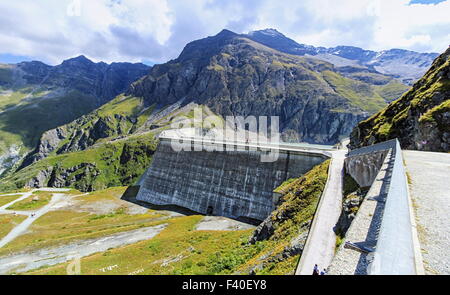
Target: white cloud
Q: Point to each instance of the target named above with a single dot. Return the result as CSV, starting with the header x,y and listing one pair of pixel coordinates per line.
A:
x,y
135,30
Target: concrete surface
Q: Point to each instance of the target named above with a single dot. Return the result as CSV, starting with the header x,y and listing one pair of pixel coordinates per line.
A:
x,y
429,177
221,223
320,245
234,183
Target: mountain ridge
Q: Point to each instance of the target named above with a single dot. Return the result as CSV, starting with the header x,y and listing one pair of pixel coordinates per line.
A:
x,y
234,75
384,61
35,97
420,119
229,74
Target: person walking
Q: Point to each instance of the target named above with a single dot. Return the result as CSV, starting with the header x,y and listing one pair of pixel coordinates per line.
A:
x,y
316,270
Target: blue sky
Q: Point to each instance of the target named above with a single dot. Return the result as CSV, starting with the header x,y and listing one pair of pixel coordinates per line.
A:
x,y
157,30
11,58
425,1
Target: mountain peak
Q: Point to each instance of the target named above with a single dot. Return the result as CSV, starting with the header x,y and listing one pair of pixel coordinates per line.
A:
x,y
81,59
226,33
207,46
269,32
276,40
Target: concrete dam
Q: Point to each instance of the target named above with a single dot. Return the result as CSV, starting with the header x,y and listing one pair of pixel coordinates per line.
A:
x,y
233,183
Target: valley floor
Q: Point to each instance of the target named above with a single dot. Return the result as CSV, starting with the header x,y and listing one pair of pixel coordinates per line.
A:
x,y
428,177
42,231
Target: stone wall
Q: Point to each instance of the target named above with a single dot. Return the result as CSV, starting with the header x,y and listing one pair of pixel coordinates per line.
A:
x,y
227,183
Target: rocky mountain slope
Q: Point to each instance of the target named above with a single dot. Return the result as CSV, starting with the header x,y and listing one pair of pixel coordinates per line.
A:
x,y
406,65
35,97
227,74
234,75
112,145
420,119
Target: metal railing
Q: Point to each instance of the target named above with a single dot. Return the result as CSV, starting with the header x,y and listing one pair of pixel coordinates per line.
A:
x,y
385,145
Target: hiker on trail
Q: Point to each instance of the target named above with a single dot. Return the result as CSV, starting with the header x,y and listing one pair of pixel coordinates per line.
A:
x,y
323,272
316,270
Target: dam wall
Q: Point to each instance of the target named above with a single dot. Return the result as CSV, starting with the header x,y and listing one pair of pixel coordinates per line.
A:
x,y
231,183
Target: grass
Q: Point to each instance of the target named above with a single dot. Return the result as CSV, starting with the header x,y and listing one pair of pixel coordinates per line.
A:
x,y
350,191
24,125
434,115
6,74
216,68
350,185
408,178
8,222
392,90
81,222
12,98
7,199
123,105
110,164
33,202
290,219
358,93
179,248
402,115
339,241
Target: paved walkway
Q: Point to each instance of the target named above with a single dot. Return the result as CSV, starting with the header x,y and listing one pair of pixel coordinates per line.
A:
x,y
430,192
319,248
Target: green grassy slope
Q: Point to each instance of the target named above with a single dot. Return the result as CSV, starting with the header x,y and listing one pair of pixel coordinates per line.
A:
x,y
284,232
109,164
25,123
419,119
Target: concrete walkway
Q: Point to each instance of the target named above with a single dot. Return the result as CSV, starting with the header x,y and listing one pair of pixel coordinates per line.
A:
x,y
429,186
320,245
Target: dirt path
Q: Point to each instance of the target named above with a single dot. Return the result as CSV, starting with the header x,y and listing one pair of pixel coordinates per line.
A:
x,y
321,242
24,196
430,192
32,215
221,223
50,256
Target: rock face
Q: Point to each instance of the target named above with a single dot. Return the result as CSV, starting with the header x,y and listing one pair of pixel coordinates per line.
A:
x,y
350,207
420,119
406,65
103,81
71,138
235,184
234,75
364,168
